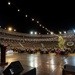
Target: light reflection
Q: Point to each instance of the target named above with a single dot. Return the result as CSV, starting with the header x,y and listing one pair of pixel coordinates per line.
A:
x,y
31,58
53,67
52,61
31,64
74,61
47,62
36,63
11,60
9,52
69,60
48,66
65,60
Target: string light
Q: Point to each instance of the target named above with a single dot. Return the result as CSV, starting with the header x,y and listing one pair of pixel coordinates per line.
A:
x,y
39,33
43,27
14,30
32,18
40,24
51,32
18,10
5,28
26,15
37,21
9,3
47,33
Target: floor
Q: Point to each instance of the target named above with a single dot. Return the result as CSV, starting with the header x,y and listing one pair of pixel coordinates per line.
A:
x,y
45,64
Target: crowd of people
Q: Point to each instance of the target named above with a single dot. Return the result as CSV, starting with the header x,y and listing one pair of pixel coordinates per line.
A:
x,y
45,51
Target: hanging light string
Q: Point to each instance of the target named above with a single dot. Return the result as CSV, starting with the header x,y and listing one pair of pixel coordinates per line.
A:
x,y
26,15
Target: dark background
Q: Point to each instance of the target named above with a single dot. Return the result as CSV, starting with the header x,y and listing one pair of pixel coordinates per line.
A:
x,y
56,16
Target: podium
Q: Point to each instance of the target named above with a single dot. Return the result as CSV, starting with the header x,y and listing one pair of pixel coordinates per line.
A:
x,y
2,55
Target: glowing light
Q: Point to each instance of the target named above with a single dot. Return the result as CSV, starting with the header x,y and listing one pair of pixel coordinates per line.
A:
x,y
46,28
74,31
18,10
60,33
9,52
31,32
47,33
26,15
0,26
5,28
37,21
15,30
39,33
53,67
9,3
10,29
52,33
43,27
35,32
64,32
40,25
32,19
